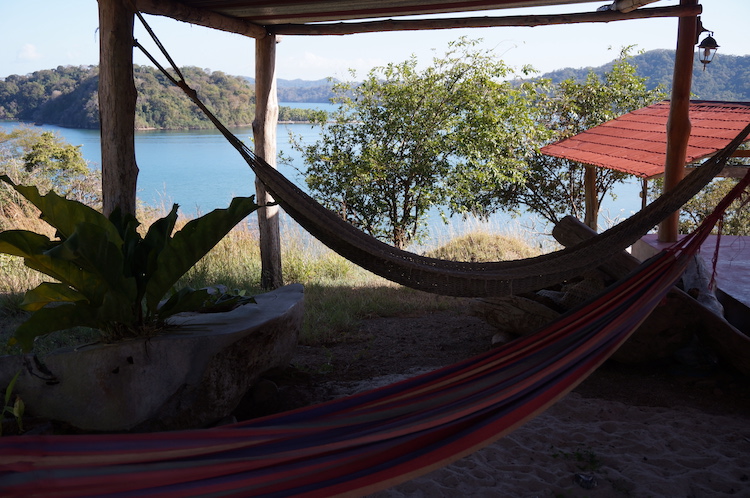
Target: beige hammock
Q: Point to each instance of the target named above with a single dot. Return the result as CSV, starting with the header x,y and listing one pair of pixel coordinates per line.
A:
x,y
455,278
474,279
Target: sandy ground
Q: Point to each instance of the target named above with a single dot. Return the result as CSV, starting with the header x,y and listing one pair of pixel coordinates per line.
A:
x,y
664,429
593,447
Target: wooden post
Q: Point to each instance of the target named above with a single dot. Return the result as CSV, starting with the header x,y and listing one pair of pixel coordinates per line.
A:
x,y
264,132
117,97
591,216
678,125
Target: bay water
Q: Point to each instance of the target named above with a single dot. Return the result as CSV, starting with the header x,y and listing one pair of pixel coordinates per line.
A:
x,y
200,171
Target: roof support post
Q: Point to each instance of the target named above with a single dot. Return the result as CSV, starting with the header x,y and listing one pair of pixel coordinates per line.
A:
x,y
678,125
264,133
591,216
117,96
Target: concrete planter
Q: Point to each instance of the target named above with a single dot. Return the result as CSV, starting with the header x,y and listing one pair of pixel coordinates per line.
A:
x,y
189,378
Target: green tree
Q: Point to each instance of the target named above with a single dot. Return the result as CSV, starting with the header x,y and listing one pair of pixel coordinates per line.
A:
x,y
736,218
47,161
554,187
406,140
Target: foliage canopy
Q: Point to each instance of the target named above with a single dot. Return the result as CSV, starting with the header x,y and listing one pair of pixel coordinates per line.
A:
x,y
461,136
555,187
406,140
44,159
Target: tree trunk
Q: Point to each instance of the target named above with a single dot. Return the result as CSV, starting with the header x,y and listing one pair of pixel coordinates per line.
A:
x,y
117,96
264,132
591,216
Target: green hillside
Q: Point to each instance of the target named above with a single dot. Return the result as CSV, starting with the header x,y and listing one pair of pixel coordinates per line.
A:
x,y
67,96
726,78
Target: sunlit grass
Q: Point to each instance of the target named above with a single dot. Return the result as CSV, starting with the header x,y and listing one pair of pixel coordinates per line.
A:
x,y
338,294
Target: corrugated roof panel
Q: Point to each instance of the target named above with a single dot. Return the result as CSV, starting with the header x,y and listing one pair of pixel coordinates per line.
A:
x,y
636,142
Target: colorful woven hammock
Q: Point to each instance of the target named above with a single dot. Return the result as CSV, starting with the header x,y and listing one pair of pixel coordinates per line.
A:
x,y
363,443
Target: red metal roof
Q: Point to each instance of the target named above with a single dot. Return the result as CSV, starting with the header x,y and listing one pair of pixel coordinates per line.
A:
x,y
636,142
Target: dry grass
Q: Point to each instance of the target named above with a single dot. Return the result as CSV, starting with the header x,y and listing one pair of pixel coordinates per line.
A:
x,y
338,294
482,246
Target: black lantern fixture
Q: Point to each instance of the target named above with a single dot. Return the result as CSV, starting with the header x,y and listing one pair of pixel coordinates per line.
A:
x,y
707,48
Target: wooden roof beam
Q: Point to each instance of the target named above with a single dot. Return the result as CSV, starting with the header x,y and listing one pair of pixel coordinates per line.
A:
x,y
349,28
201,17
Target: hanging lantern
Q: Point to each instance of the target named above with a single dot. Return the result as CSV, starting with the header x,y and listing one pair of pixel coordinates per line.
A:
x,y
707,49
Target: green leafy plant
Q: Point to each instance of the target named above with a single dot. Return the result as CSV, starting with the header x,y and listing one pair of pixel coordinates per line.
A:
x,y
108,276
16,409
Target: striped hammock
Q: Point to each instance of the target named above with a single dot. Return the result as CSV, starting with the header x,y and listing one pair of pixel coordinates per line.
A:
x,y
363,443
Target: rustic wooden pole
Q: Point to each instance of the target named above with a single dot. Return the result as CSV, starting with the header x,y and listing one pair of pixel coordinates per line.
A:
x,y
117,97
264,132
678,124
591,216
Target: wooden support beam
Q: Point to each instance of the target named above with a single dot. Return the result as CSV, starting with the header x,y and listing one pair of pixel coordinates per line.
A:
x,y
678,124
201,17
591,216
350,28
117,96
264,133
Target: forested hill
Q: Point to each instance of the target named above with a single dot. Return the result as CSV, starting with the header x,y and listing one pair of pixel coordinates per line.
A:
x,y
298,90
67,96
727,77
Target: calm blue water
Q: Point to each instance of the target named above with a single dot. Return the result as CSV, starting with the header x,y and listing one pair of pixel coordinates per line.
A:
x,y
200,171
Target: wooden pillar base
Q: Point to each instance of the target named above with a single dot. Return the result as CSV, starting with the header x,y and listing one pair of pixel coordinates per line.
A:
x,y
264,132
117,96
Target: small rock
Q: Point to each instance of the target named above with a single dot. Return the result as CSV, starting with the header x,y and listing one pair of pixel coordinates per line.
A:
x,y
585,481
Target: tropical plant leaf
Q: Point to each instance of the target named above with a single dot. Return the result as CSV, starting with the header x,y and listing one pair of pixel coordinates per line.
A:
x,y
89,248
61,213
186,299
33,248
49,292
127,226
88,262
156,239
18,410
51,319
191,243
24,243
116,310
9,389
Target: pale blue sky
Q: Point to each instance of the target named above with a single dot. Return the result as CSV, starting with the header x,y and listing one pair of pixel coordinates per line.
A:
x,y
42,34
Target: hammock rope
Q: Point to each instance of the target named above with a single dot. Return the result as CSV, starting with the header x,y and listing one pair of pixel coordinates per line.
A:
x,y
453,278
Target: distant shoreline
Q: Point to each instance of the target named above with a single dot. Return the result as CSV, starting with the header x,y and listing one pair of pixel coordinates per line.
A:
x,y
211,127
